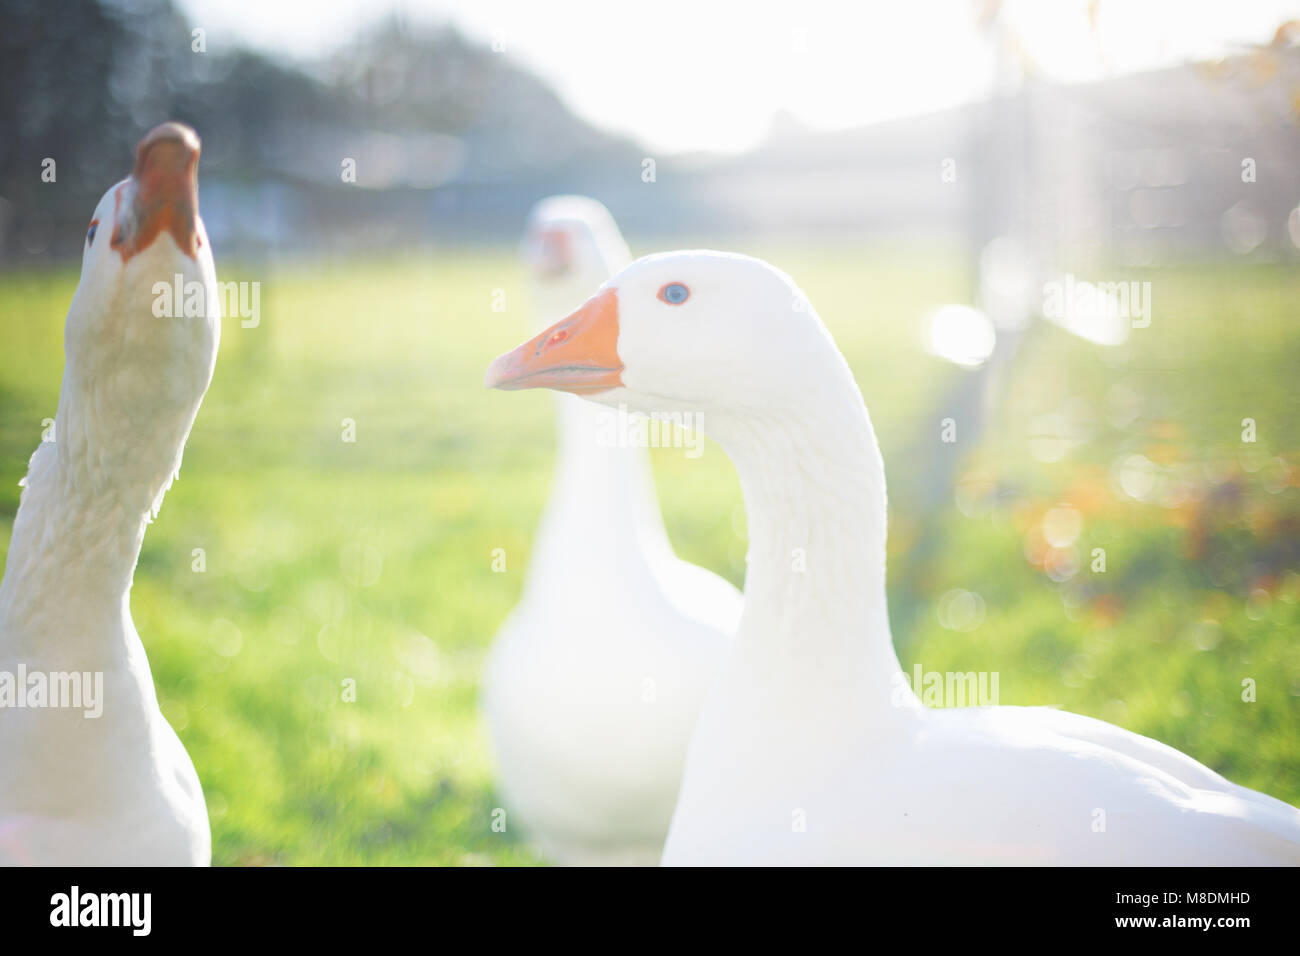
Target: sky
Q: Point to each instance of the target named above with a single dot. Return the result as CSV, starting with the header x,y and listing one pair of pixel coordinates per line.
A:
x,y
681,75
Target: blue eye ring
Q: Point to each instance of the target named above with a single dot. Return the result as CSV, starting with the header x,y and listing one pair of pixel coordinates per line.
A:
x,y
90,233
674,293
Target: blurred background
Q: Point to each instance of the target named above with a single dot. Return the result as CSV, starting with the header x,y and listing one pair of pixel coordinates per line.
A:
x,y
1114,528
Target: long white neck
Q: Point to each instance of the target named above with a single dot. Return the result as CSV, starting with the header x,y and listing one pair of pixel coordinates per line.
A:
x,y
602,492
815,629
603,485
89,495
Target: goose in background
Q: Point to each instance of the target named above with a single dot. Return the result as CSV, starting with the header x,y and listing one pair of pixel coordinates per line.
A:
x,y
594,682
107,782
811,747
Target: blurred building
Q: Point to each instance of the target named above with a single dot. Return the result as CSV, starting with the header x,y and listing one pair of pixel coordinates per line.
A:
x,y
451,143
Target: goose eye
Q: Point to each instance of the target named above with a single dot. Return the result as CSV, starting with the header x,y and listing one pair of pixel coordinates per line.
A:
x,y
674,293
90,233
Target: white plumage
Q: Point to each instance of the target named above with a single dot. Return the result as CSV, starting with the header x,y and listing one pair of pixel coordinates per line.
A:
x,y
117,788
811,749
595,680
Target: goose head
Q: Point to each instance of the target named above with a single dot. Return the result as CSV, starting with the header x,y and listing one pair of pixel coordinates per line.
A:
x,y
572,238
142,331
723,335
130,340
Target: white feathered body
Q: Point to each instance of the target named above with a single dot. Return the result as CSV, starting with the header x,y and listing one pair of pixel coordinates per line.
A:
x,y
594,683
116,787
969,786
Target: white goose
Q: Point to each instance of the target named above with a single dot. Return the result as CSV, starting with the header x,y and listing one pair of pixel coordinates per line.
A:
x,y
115,788
594,683
811,748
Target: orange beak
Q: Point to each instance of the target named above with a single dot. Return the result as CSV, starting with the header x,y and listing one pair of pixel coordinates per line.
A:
x,y
578,354
552,255
166,197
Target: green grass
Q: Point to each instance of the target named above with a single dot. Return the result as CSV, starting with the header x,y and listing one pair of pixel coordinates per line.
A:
x,y
250,657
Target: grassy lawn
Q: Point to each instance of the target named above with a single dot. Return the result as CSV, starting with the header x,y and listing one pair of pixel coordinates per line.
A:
x,y
370,561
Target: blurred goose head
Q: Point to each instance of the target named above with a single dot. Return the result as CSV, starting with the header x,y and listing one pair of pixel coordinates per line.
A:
x,y
572,238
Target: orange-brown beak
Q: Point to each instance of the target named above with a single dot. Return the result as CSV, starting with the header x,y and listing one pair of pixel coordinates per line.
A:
x,y
552,255
166,195
578,354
